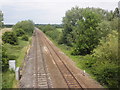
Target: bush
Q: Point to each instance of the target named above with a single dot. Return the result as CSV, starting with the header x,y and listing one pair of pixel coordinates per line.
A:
x,y
8,79
4,60
47,28
10,37
106,68
103,63
107,74
108,48
54,34
19,32
25,38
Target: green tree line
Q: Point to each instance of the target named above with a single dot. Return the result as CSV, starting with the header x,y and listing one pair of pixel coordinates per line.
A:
x,y
92,34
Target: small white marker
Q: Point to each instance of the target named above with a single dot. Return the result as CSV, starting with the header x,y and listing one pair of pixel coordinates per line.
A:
x,y
84,73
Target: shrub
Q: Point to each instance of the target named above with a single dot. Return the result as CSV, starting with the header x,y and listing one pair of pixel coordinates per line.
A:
x,y
106,68
48,28
107,73
10,37
54,34
108,48
19,32
25,38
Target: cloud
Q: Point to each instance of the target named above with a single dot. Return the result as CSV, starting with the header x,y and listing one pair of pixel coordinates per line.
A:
x,y
46,11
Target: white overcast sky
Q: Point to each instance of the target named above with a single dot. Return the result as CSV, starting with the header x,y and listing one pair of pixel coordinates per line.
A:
x,y
47,11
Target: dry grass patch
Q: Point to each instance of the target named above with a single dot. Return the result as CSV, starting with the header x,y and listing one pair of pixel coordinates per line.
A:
x,y
3,31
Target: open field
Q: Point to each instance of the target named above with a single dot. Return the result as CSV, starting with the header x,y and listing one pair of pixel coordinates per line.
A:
x,y
3,31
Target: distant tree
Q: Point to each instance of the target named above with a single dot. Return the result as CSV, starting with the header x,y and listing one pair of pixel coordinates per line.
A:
x,y
110,15
10,37
116,12
47,28
1,18
27,26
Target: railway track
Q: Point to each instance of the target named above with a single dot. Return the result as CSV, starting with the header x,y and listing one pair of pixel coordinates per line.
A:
x,y
68,76
44,62
42,80
37,75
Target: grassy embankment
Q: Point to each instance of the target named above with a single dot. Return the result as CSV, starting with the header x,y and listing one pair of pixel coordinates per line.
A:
x,y
16,52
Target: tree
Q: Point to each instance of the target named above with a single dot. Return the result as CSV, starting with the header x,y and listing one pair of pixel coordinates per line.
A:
x,y
10,37
87,35
69,21
73,16
116,12
1,18
27,26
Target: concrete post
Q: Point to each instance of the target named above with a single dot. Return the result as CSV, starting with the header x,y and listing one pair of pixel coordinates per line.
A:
x,y
12,64
17,73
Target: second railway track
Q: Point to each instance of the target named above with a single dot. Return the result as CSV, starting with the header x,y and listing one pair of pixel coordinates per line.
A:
x,y
70,79
46,67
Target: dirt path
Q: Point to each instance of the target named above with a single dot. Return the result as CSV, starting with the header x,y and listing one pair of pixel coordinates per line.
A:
x,y
47,67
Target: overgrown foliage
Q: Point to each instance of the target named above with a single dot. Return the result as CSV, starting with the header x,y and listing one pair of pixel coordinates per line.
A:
x,y
104,61
4,60
25,38
92,32
15,41
47,28
10,37
7,79
108,48
19,32
51,31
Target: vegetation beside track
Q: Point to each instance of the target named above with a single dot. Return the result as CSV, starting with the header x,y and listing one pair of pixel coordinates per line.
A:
x,y
14,47
90,37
